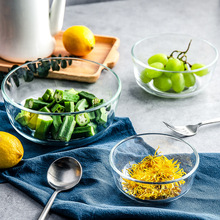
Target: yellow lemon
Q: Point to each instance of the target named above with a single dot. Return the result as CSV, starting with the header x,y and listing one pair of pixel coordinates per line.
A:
x,y
78,40
11,150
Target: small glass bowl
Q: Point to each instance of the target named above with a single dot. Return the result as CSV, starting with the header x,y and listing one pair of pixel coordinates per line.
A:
x,y
200,51
20,84
134,149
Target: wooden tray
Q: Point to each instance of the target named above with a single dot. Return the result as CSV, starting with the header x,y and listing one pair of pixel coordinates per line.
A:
x,y
104,52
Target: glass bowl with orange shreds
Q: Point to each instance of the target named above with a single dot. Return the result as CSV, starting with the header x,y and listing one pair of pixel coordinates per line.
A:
x,y
154,167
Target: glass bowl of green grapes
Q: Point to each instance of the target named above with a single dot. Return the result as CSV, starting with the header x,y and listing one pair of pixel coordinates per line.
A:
x,y
173,65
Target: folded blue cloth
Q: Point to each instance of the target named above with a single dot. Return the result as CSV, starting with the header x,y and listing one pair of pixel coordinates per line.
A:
x,y
96,196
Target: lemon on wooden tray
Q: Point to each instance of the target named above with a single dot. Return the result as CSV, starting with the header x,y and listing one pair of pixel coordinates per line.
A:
x,y
11,150
78,40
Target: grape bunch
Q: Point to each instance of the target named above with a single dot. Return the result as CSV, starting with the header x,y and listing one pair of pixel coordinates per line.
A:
x,y
176,81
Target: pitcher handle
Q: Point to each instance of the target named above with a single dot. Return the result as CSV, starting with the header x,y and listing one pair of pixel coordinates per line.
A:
x,y
57,16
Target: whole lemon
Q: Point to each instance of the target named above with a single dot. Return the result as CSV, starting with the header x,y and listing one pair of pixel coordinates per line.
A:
x,y
78,40
11,150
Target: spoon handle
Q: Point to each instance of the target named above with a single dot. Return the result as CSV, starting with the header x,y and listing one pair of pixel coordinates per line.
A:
x,y
48,206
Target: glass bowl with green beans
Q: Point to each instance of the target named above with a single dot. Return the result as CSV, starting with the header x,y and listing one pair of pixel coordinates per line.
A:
x,y
50,110
173,65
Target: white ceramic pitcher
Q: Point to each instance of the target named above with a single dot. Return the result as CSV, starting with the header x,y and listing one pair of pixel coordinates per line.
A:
x,y
27,28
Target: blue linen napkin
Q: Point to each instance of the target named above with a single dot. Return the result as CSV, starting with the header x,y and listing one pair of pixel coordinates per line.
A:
x,y
96,196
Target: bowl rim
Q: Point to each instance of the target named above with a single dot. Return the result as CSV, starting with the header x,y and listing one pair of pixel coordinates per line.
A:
x,y
154,183
175,34
19,106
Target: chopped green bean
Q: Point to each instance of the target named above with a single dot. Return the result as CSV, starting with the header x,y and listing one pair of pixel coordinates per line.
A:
x,y
85,131
69,106
42,127
57,122
82,119
58,108
48,95
63,96
92,99
81,105
35,104
66,129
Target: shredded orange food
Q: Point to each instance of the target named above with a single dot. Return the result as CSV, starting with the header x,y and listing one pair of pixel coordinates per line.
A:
x,y
154,168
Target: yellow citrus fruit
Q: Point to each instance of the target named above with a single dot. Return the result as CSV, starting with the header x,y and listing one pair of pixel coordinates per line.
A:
x,y
11,150
78,40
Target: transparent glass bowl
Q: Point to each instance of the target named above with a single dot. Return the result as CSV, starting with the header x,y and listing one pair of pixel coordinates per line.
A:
x,y
20,85
134,149
200,51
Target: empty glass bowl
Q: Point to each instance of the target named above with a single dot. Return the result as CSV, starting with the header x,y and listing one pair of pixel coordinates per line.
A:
x,y
132,150
186,83
61,120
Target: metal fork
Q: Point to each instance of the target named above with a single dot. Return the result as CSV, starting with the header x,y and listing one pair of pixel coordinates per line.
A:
x,y
190,130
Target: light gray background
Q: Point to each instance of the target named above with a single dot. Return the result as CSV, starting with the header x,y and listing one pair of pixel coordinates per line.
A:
x,y
131,20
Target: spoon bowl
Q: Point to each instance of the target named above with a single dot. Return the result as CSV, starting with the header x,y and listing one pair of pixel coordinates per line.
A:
x,y
63,174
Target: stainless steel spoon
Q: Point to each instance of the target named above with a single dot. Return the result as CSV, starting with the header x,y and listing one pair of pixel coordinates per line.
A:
x,y
190,130
63,174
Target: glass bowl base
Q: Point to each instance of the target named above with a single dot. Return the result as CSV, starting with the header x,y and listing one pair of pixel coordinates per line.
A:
x,y
189,92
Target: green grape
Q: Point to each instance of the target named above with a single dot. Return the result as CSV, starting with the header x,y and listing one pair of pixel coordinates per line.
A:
x,y
160,57
198,66
178,82
154,73
163,83
182,68
174,64
190,79
167,74
143,76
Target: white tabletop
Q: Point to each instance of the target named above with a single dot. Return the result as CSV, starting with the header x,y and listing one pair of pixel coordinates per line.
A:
x,y
130,21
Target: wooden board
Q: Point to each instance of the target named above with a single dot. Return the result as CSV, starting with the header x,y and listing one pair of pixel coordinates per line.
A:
x,y
104,52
